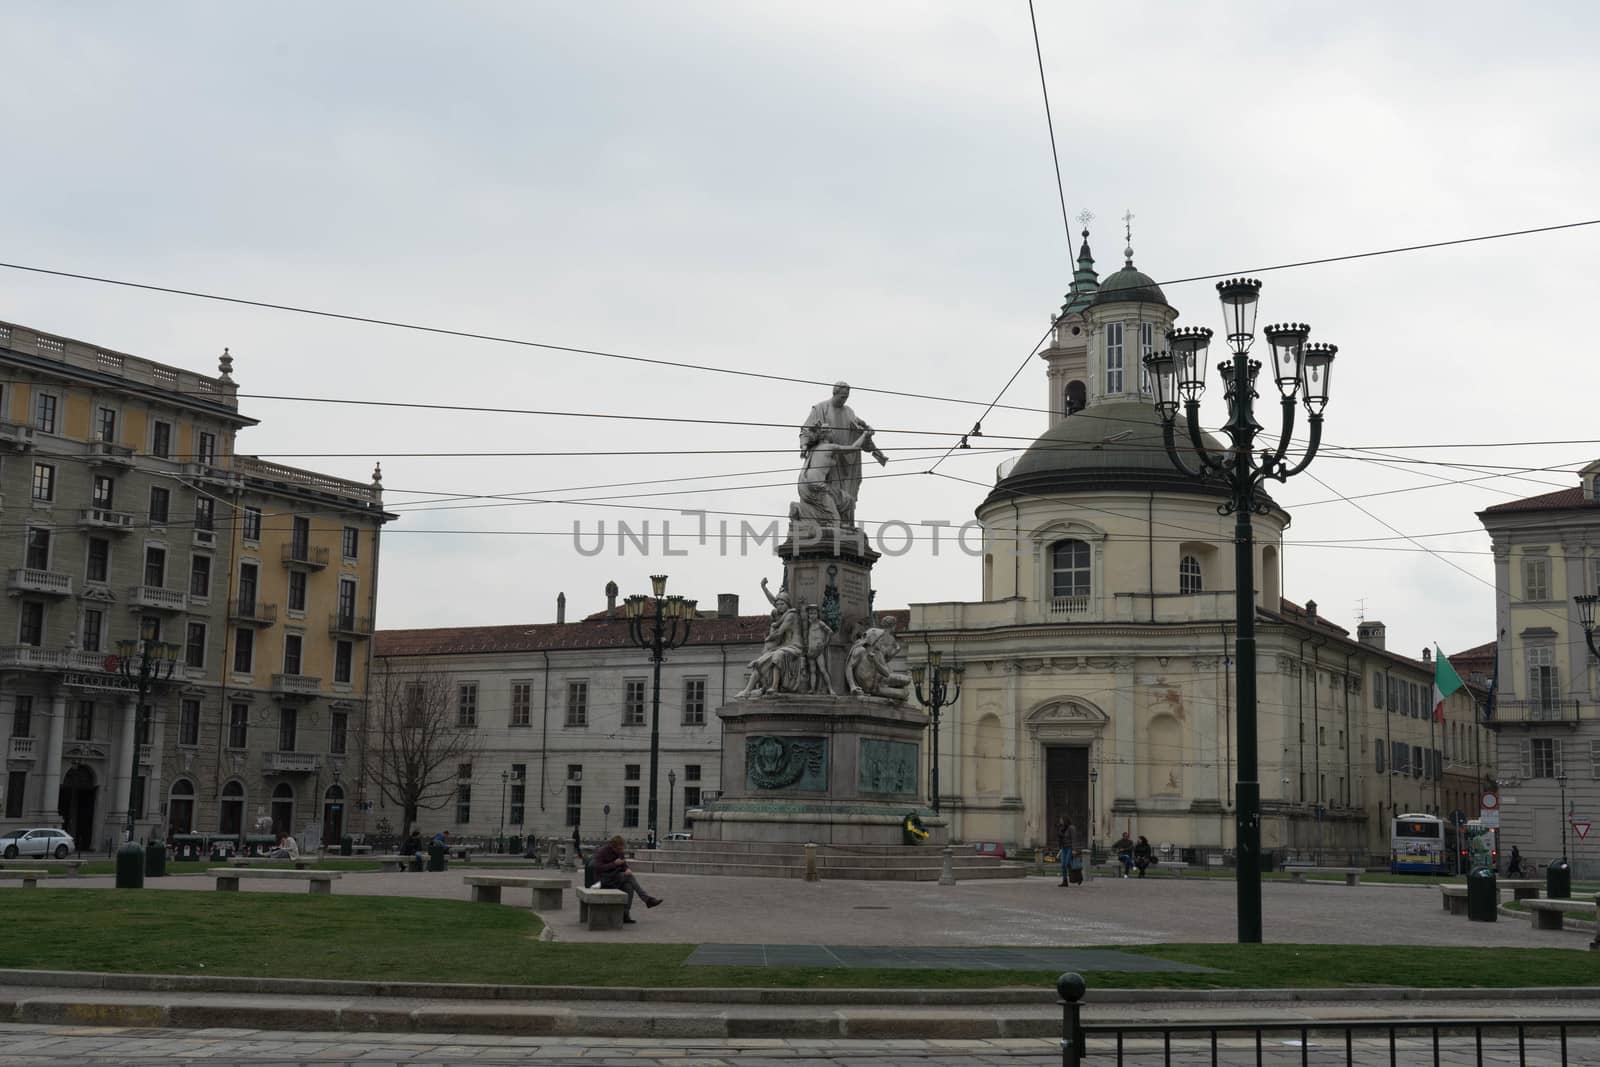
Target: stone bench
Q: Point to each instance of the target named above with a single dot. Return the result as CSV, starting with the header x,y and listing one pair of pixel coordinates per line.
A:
x,y
394,863
71,865
1521,888
1454,899
300,862
1352,875
29,879
319,882
1552,914
601,909
547,888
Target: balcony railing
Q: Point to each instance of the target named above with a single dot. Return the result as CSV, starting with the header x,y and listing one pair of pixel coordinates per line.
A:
x,y
16,435
293,762
106,519
32,657
209,472
153,596
145,755
253,613
341,624
33,580
1529,712
22,748
296,683
1062,607
109,454
305,555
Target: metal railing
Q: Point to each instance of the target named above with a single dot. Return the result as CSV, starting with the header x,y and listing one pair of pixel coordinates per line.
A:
x,y
306,555
1531,711
1413,1040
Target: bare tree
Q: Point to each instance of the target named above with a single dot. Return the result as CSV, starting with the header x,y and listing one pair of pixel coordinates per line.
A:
x,y
415,744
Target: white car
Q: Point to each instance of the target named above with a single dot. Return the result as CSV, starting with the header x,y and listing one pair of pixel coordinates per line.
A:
x,y
41,842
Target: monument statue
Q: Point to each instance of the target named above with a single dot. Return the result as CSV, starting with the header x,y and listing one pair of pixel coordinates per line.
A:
x,y
781,664
868,669
817,634
830,478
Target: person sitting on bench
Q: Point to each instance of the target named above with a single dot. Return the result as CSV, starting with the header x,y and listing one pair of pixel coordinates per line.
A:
x,y
611,868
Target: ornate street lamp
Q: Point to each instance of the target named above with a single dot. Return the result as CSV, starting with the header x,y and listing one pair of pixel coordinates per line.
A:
x,y
667,627
143,661
1586,617
944,689
672,794
1301,372
505,779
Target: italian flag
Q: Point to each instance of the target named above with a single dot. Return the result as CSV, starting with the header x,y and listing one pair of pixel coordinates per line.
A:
x,y
1445,682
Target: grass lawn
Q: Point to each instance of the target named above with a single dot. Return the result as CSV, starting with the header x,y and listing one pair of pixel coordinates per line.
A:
x,y
399,939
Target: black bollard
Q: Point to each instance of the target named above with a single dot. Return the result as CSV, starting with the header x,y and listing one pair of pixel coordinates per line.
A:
x,y
1070,988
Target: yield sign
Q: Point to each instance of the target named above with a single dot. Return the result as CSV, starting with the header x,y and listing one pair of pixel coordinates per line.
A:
x,y
1580,828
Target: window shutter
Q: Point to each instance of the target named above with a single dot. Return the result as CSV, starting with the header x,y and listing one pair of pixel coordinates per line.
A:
x,y
1378,748
1555,757
1555,684
1525,750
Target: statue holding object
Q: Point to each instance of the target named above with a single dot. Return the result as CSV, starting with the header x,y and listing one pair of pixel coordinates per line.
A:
x,y
831,442
868,670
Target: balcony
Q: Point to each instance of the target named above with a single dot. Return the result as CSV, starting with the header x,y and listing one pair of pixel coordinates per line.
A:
x,y
107,454
295,555
293,763
343,625
204,535
33,580
1529,713
252,613
208,472
296,685
145,755
156,598
106,519
22,748
33,657
16,435
1067,607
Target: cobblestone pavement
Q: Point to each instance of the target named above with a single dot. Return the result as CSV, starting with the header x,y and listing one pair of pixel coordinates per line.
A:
x,y
1034,911
60,1046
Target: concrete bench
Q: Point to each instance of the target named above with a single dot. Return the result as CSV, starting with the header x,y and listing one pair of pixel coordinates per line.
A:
x,y
547,888
29,879
71,865
460,852
300,862
1521,888
394,863
360,850
319,882
1352,875
1454,899
601,909
1552,914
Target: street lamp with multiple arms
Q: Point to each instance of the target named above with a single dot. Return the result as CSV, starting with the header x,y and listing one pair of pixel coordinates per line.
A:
x,y
1301,372
658,631
143,661
944,689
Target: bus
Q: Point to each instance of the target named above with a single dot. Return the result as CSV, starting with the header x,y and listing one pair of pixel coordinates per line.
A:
x,y
1418,845
1480,845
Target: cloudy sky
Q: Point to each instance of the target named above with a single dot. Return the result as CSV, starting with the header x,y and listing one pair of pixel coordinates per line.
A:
x,y
813,190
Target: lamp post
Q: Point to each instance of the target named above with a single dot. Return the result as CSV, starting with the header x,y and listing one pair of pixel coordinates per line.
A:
x,y
667,627
505,779
143,661
1300,371
672,794
1561,783
940,694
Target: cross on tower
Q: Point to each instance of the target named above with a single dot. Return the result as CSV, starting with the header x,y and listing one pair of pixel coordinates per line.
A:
x,y
1127,229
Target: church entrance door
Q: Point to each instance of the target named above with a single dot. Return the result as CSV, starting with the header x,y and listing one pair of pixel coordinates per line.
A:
x,y
1066,790
76,805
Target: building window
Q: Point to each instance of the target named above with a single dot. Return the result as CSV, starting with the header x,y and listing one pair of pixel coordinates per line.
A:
x,y
519,777
16,783
574,804
37,556
99,567
630,805
44,482
630,772
104,492
521,703
155,566
30,623
44,413
160,504
1147,348
300,538
161,440
238,725
1536,578
252,524
200,576
248,573
694,702
206,451
1069,569
189,723
350,542
463,794
297,590
1377,689
347,603
1377,749
22,717
106,425
205,512
292,645
288,722
94,625
1113,357
150,627
467,705
344,654
633,702
84,728
194,646
577,703
1542,687
1542,757
1594,759
244,650
338,732
1189,575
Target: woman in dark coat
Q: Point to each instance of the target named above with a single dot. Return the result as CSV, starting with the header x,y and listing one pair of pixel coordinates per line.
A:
x,y
1143,855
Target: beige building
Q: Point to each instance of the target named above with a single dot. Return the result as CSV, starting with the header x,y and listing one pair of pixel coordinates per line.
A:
x,y
1099,679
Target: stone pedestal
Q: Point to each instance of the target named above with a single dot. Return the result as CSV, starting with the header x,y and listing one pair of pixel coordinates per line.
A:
x,y
832,568
833,770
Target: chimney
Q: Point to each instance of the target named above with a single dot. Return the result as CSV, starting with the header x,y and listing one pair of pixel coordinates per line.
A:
x,y
561,607
1427,655
1311,609
1371,634
727,605
611,598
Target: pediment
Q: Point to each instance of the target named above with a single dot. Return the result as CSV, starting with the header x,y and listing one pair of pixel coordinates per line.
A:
x,y
98,592
1064,712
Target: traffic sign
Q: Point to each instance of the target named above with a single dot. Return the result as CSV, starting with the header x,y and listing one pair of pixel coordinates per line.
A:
x,y
1580,828
1490,820
1490,801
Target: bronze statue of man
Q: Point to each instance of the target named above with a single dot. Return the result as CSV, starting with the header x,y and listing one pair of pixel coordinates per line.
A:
x,y
834,422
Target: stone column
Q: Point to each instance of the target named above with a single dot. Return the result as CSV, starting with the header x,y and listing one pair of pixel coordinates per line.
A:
x,y
8,709
153,778
127,735
50,762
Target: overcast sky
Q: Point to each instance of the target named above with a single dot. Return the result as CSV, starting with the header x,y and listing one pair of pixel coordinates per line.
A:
x,y
818,190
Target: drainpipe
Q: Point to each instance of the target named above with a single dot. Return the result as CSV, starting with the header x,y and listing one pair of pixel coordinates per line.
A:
x,y
544,731
1150,547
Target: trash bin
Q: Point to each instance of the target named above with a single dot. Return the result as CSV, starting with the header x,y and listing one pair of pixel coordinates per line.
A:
x,y
436,856
1558,881
155,860
347,845
1483,896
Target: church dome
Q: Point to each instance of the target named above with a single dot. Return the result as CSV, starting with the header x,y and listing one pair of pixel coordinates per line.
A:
x,y
1114,445
1129,286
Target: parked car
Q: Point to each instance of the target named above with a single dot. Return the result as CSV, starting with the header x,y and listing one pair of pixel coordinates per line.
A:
x,y
990,848
680,835
40,842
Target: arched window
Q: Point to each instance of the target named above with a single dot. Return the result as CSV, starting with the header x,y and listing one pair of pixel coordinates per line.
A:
x,y
1069,569
1189,575
1078,399
230,818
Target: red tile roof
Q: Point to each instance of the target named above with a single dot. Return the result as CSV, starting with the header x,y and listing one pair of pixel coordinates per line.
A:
x,y
1290,610
1560,500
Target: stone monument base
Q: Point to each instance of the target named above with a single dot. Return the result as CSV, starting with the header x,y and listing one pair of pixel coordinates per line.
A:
x,y
833,770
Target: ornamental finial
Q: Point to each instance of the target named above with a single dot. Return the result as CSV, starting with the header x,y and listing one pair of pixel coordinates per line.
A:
x,y
1127,230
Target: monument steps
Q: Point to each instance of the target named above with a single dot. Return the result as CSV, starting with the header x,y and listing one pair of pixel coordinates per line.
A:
x,y
749,859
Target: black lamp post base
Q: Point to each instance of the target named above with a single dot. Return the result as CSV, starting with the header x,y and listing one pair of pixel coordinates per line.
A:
x,y
130,866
